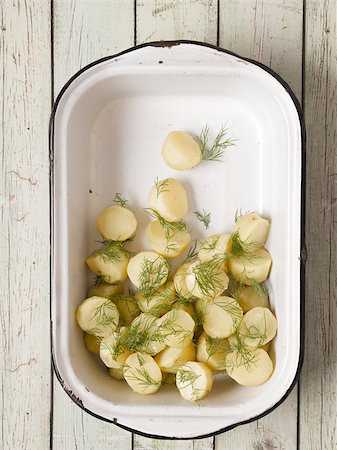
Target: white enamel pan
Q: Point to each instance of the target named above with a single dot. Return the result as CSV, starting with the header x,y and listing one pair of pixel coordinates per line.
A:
x,y
107,128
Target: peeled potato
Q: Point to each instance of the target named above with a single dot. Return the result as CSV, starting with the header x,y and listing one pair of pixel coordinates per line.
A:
x,y
180,151
221,317
145,334
258,326
206,279
92,342
214,246
110,261
194,380
142,373
170,359
212,351
148,271
252,269
98,316
179,280
159,302
166,241
117,374
185,306
112,350
249,368
168,197
105,290
249,298
177,328
253,230
127,307
116,223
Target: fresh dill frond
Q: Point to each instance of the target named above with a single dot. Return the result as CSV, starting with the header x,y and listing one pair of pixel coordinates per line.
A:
x,y
242,249
220,143
231,308
260,288
105,316
192,253
152,274
143,378
175,226
161,186
119,200
203,217
207,276
111,251
239,214
244,356
235,288
187,378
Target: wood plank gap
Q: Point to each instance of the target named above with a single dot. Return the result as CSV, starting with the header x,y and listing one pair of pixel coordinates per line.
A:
x,y
134,32
218,24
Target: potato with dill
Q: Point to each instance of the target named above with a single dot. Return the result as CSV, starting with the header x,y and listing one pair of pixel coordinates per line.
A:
x,y
109,262
98,316
168,198
148,271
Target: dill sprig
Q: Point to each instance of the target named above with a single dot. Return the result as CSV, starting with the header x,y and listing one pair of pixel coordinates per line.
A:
x,y
192,253
105,316
175,226
160,301
233,309
169,327
161,186
244,356
220,143
188,377
216,345
235,288
203,217
111,251
141,375
207,277
239,214
119,200
242,249
152,274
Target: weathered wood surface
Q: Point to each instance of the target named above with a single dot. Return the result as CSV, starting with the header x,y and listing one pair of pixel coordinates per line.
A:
x,y
318,383
270,31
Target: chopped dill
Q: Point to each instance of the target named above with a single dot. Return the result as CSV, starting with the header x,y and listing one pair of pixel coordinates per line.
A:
x,y
119,200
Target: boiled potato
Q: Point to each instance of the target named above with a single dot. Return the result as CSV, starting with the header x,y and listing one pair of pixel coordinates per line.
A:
x,y
186,306
169,199
117,374
145,335
213,351
253,231
142,373
251,270
159,302
180,151
105,290
127,306
179,280
177,328
116,223
249,297
98,316
110,261
249,368
148,271
170,359
92,342
215,246
235,342
258,326
112,350
206,279
222,317
194,380
167,241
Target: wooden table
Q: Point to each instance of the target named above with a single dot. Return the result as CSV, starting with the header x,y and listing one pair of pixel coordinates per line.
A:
x,y
42,44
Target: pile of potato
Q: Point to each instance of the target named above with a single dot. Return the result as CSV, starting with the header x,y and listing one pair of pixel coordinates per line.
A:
x,y
211,315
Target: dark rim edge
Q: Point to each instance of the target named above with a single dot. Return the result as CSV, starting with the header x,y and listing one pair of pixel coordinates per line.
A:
x,y
303,256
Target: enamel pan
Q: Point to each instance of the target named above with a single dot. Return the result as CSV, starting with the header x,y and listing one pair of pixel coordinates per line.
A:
x,y
107,128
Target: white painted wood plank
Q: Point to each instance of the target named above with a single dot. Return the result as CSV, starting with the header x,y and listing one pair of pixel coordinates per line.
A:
x,y
176,19
269,32
25,95
83,32
318,382
159,20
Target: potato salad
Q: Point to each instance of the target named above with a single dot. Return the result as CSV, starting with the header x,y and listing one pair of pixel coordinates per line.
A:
x,y
150,324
